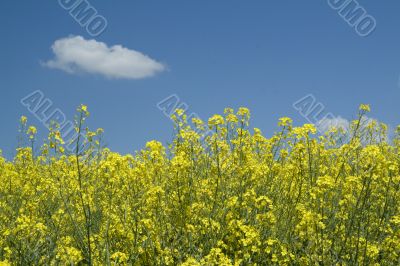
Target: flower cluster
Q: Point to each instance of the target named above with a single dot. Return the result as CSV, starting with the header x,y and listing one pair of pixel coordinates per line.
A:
x,y
234,197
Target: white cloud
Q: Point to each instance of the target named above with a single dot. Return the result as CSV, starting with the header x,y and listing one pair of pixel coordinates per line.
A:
x,y
75,54
325,124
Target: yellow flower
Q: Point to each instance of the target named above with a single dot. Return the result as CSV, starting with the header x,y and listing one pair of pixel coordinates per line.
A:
x,y
243,111
32,130
365,107
119,257
285,121
23,120
233,198
216,120
84,108
179,112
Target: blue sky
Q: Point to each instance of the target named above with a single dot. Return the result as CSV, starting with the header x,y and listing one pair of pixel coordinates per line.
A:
x,y
261,54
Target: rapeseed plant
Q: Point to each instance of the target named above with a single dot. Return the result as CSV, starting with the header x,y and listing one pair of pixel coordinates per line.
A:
x,y
233,197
